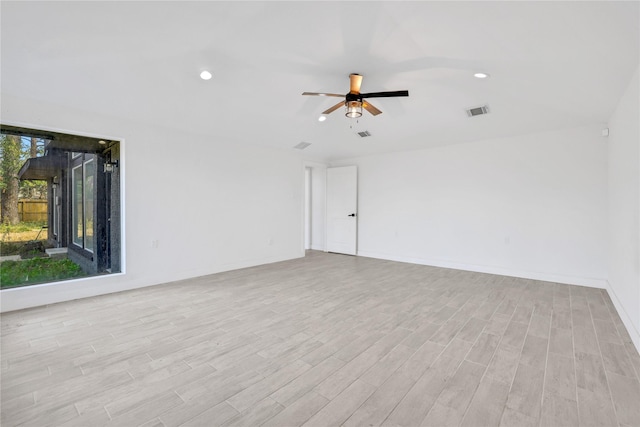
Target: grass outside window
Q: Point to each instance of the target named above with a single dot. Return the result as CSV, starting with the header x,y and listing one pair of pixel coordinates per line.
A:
x,y
37,270
35,267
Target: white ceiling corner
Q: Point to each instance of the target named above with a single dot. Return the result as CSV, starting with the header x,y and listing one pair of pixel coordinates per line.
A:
x,y
552,65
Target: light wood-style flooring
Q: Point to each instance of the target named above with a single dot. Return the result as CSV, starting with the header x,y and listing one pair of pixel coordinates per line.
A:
x,y
327,340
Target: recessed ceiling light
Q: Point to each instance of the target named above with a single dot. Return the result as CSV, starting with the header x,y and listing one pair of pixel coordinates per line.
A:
x,y
205,75
481,75
322,118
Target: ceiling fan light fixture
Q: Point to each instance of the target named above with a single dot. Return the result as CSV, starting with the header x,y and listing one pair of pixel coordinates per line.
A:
x,y
354,100
354,109
322,118
206,75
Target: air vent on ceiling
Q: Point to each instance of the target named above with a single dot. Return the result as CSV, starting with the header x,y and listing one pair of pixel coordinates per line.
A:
x,y
478,111
364,134
302,145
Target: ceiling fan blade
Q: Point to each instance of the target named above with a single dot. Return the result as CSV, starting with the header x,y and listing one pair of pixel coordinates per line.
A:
x,y
322,94
356,81
385,94
334,108
370,108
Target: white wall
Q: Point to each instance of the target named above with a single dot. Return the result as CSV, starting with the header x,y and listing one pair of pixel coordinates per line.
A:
x,y
624,209
530,206
212,205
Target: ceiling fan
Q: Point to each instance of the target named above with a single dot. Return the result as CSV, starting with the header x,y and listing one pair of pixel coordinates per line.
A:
x,y
354,100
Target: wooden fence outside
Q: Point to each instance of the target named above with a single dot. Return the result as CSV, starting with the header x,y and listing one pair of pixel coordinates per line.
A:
x,y
32,210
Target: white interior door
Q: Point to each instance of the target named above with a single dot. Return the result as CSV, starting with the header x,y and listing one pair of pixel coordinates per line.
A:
x,y
342,209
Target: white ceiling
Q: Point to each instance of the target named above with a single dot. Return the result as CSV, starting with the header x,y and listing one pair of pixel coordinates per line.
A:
x,y
552,65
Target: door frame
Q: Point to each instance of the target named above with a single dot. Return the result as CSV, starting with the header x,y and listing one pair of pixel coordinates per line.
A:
x,y
318,205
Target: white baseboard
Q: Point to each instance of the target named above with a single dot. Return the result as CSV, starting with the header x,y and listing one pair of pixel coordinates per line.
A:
x,y
51,293
569,280
632,329
545,277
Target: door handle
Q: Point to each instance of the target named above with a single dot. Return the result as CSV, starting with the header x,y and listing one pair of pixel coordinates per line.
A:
x,y
352,214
